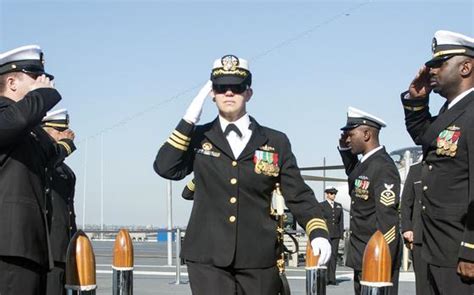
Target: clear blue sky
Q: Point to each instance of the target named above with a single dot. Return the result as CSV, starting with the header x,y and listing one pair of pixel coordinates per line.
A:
x,y
128,70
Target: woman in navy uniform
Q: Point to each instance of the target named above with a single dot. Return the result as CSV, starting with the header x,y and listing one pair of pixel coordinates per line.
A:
x,y
374,187
231,239
412,227
448,162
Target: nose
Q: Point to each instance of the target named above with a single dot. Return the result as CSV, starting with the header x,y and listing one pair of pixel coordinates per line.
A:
x,y
433,71
229,92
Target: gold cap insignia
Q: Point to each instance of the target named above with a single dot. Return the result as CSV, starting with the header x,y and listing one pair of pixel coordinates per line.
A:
x,y
230,62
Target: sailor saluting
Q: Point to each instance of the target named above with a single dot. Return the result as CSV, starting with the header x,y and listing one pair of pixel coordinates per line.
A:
x,y
231,240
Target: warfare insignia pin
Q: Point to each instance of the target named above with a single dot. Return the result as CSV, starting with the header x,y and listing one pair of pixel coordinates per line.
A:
x,y
453,128
266,163
207,146
267,148
230,62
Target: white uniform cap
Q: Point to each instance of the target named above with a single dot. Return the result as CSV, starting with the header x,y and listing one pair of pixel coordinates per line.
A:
x,y
356,117
447,44
58,119
231,70
26,59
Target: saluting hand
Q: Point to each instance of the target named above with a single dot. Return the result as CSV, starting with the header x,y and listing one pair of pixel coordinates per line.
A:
x,y
193,113
321,247
68,134
420,86
466,269
42,82
342,140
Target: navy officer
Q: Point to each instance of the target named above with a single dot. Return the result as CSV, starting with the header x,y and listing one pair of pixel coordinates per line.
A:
x,y
231,240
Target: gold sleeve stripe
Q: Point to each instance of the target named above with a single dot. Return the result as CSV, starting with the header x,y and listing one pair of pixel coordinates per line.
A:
x,y
467,245
179,140
181,135
390,235
315,227
414,109
191,186
450,51
66,146
177,145
315,223
49,124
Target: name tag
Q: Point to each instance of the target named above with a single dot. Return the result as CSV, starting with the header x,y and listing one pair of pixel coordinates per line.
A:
x,y
207,153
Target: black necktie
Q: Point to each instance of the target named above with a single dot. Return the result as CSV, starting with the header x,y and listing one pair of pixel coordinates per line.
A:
x,y
232,127
443,108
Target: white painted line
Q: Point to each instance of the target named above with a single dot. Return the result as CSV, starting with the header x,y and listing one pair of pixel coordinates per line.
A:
x,y
404,276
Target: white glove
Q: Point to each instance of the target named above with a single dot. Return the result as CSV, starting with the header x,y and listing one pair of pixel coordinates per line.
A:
x,y
193,113
322,247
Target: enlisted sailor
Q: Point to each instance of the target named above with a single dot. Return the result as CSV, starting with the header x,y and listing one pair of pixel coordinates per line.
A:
x,y
231,240
63,181
374,187
334,216
26,94
447,172
412,227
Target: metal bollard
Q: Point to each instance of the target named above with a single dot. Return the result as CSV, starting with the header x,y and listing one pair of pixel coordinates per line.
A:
x,y
315,276
80,266
376,267
178,280
122,265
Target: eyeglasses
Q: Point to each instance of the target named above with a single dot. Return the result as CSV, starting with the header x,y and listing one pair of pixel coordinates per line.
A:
x,y
236,89
34,73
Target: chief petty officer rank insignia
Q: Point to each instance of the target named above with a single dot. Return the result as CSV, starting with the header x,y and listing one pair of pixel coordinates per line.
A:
x,y
387,197
266,161
447,141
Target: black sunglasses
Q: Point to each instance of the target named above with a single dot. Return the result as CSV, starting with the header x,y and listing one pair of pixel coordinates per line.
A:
x,y
236,89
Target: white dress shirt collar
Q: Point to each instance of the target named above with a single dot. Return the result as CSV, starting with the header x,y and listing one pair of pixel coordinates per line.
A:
x,y
366,156
459,97
242,123
237,143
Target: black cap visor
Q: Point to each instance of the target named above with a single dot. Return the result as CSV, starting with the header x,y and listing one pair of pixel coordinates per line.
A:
x,y
29,67
436,62
229,80
356,122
